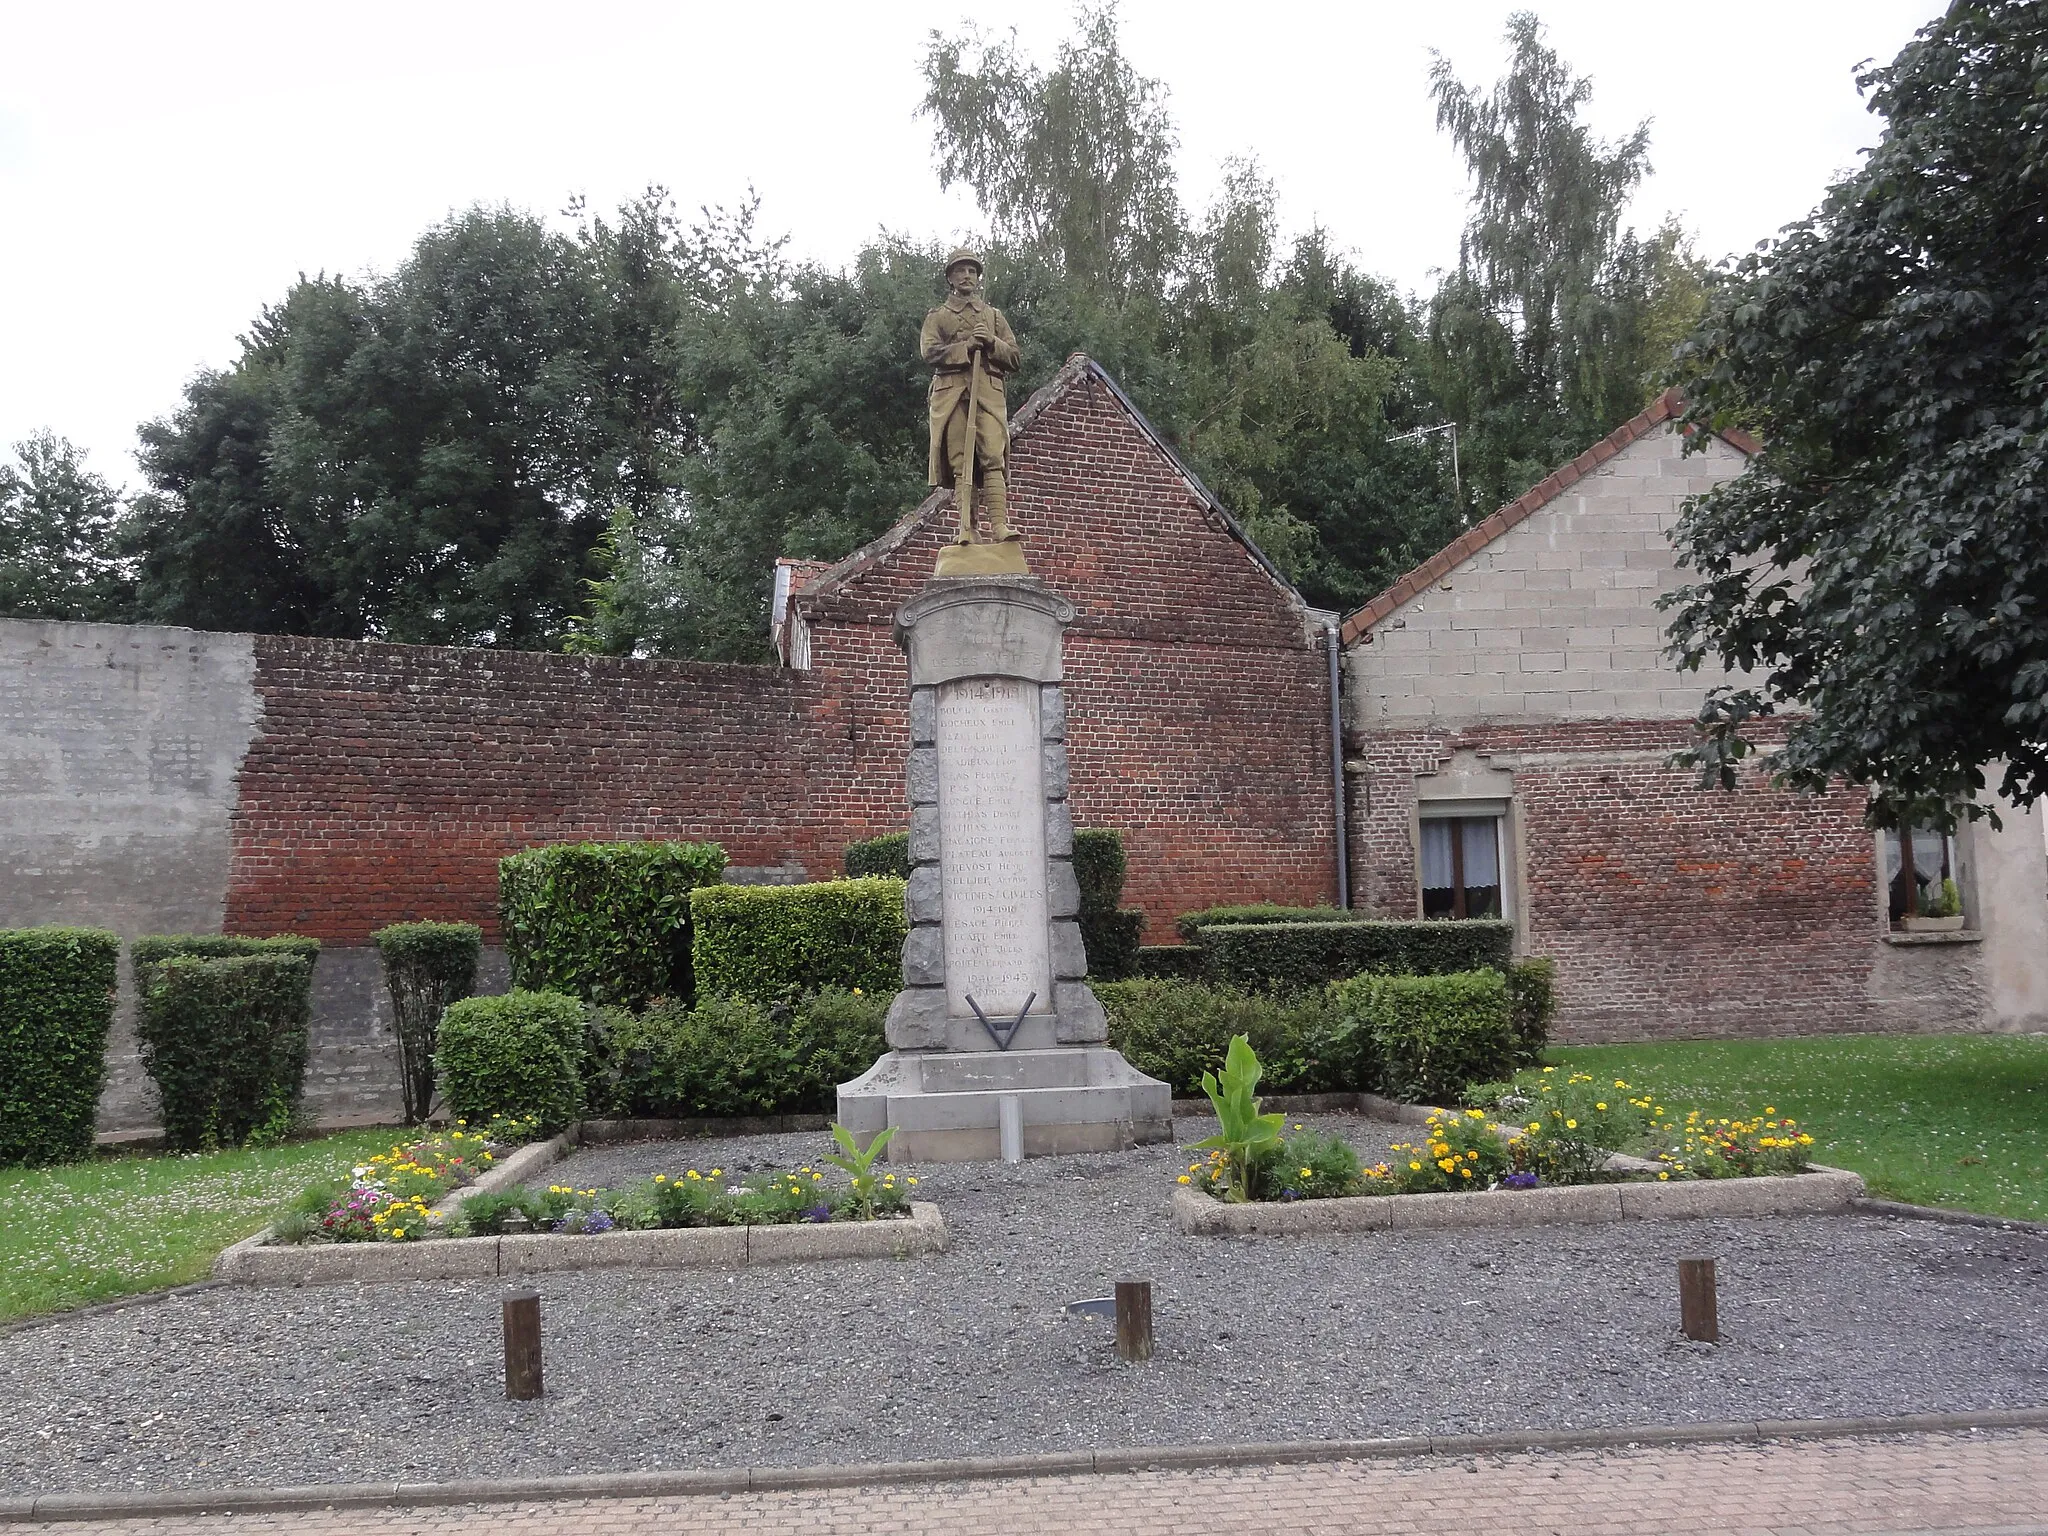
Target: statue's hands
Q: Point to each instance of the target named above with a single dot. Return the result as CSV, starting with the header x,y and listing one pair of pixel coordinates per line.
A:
x,y
983,334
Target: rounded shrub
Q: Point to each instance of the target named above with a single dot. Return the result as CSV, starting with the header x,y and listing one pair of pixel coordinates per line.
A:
x,y
520,1055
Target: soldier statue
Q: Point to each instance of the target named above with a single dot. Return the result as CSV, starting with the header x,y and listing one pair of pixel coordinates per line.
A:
x,y
971,350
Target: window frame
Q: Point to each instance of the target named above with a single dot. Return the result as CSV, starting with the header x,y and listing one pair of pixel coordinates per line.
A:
x,y
1458,811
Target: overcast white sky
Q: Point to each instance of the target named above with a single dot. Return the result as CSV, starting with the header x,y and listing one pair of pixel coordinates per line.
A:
x,y
168,169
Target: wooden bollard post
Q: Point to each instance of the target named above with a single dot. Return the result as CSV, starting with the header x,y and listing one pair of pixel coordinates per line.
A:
x,y
522,1345
1699,1312
1134,1319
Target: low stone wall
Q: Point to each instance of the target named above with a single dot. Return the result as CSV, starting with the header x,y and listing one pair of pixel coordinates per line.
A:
x,y
254,1262
1822,1191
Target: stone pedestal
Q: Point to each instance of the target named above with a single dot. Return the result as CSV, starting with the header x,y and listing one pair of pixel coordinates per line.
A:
x,y
993,1002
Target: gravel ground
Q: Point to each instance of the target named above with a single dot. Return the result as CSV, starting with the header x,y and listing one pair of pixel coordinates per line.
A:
x,y
968,1353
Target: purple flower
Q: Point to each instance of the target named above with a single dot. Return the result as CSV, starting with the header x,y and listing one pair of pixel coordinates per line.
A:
x,y
1518,1180
597,1221
818,1212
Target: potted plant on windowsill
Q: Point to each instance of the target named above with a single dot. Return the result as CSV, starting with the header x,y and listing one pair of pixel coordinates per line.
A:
x,y
1943,914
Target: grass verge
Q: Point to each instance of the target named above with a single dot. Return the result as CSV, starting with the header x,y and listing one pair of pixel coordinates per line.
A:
x,y
1956,1120
92,1231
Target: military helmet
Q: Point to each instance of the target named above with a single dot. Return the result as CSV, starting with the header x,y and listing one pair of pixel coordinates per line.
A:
x,y
962,253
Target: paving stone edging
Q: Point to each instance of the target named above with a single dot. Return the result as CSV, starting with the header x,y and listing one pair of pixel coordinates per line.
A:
x,y
730,1480
1822,1191
253,1262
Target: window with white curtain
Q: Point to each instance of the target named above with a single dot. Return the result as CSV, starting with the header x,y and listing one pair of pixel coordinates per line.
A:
x,y
1461,866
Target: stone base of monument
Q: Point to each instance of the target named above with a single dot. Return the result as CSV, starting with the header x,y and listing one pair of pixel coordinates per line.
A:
x,y
995,1007
946,1106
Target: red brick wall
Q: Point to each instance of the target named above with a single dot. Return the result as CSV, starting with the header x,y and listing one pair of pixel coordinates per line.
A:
x,y
1670,911
388,780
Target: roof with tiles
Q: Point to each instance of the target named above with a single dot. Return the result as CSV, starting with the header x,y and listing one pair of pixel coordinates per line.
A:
x,y
1666,407
814,583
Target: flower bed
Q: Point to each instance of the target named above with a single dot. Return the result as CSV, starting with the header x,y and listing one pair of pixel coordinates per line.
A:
x,y
393,1196
690,1199
390,1196
1544,1129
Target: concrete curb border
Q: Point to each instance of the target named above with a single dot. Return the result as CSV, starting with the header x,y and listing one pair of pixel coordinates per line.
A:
x,y
251,1262
1820,1192
682,1483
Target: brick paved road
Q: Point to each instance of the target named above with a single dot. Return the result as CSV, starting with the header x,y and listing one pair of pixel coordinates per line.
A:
x,y
1992,1484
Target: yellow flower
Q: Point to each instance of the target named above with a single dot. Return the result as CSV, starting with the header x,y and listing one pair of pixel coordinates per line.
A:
x,y
1571,1125
1467,1172
1308,1173
1770,1109
1663,1175
1600,1106
1416,1166
693,1174
913,1181
716,1171
1183,1178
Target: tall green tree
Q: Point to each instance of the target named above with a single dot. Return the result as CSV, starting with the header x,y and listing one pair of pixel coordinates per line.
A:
x,y
431,456
1074,163
1545,335
58,529
1882,568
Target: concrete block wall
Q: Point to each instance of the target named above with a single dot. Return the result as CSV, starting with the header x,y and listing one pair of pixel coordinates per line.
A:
x,y
1554,619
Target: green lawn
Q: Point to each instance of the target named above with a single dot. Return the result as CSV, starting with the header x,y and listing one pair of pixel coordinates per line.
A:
x,y
91,1231
1957,1120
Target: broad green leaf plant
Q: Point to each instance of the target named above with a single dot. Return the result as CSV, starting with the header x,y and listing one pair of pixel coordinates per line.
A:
x,y
1245,1136
859,1167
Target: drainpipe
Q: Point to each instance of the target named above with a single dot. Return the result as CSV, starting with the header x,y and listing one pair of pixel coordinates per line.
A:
x,y
1337,763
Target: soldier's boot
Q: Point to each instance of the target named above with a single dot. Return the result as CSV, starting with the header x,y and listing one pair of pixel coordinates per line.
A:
x,y
998,507
964,500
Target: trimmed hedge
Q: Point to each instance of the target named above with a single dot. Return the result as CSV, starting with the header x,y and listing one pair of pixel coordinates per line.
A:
x,y
879,856
520,1054
427,966
1099,867
1161,962
224,1039
1191,924
1286,956
732,1056
1177,1030
1532,999
771,942
1110,934
157,947
56,1005
1433,1036
1112,940
606,922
